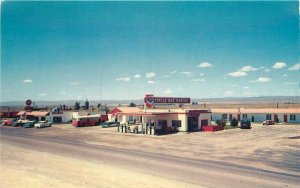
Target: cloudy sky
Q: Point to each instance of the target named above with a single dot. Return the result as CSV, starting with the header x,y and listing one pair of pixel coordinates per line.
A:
x,y
121,50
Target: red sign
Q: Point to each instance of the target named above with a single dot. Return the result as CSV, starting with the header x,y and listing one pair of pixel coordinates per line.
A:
x,y
148,100
28,102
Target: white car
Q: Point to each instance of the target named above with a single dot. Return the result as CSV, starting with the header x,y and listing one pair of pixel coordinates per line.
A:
x,y
42,124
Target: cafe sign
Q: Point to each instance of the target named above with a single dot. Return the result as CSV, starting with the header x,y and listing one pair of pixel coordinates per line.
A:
x,y
150,100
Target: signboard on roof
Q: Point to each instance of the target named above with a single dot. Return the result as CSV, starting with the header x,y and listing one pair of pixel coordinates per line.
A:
x,y
150,100
171,100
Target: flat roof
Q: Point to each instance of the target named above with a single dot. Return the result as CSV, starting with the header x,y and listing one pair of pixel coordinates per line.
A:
x,y
33,113
256,110
154,112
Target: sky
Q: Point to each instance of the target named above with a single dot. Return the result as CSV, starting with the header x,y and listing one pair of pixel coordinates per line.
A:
x,y
122,50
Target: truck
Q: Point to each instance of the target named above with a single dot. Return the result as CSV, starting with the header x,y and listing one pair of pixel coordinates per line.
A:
x,y
88,120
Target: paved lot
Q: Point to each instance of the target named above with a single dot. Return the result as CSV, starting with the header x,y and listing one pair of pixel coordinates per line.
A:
x,y
264,156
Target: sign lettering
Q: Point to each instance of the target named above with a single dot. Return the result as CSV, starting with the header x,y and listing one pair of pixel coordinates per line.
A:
x,y
167,100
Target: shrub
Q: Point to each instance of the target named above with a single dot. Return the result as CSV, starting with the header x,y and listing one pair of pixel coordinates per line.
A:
x,y
234,122
77,105
221,122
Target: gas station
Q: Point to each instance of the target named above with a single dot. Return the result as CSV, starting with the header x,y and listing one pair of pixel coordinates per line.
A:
x,y
162,120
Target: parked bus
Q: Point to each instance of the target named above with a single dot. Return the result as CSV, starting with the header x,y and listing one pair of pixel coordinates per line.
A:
x,y
88,120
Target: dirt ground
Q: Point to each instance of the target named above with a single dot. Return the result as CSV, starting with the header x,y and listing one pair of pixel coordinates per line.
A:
x,y
275,148
260,146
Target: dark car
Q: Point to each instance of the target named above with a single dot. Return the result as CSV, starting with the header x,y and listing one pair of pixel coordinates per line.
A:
x,y
268,122
29,124
245,124
109,124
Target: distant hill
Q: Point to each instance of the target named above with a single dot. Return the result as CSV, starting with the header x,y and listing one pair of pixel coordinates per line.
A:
x,y
282,99
294,99
72,102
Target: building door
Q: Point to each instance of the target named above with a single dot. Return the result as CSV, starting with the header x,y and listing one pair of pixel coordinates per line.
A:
x,y
192,123
230,117
239,117
285,118
57,119
275,118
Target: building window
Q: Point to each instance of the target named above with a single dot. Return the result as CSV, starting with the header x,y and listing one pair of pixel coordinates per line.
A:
x,y
292,117
43,118
130,118
176,123
224,116
268,117
59,119
244,116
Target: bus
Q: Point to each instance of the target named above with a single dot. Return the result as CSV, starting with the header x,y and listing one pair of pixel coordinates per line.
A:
x,y
88,120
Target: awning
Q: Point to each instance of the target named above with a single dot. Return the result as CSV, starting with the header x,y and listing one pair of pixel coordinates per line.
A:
x,y
135,114
21,113
37,113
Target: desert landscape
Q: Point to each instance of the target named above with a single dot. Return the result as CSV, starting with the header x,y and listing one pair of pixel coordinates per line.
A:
x,y
205,93
65,156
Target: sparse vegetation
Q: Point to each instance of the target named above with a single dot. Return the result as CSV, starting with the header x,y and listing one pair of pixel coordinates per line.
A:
x,y
234,122
86,104
77,105
221,122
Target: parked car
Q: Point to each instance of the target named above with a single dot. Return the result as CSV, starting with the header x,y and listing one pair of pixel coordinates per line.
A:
x,y
268,122
16,124
109,124
8,122
21,122
29,124
42,124
245,124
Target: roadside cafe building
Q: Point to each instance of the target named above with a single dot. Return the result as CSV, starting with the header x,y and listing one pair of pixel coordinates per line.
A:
x,y
52,116
164,120
288,115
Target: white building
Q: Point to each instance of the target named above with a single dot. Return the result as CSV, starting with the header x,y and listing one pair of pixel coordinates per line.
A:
x,y
290,115
60,117
56,117
179,119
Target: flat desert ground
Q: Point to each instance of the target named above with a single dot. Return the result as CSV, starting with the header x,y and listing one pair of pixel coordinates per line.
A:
x,y
65,156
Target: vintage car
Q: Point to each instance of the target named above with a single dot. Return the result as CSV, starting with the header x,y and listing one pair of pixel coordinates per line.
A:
x,y
42,124
268,122
29,124
109,124
21,122
245,124
8,122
